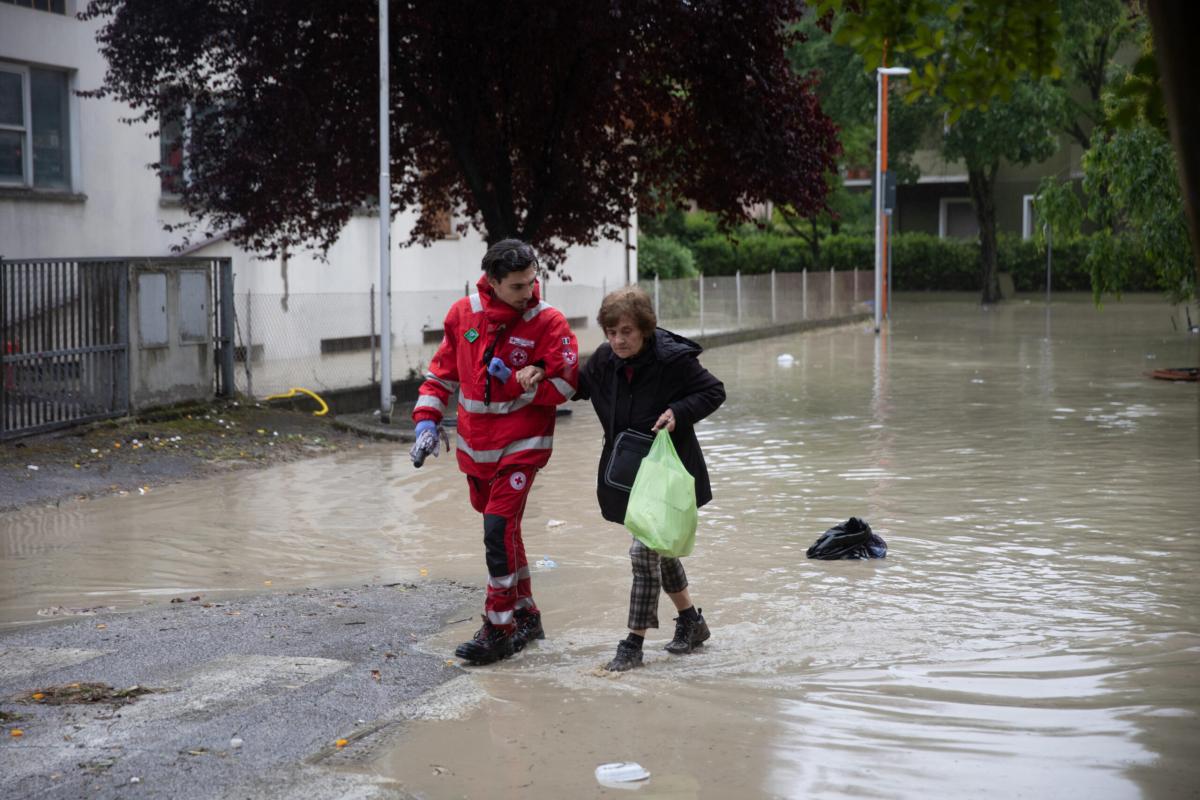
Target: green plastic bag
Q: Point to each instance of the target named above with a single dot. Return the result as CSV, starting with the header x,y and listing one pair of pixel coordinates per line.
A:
x,y
662,503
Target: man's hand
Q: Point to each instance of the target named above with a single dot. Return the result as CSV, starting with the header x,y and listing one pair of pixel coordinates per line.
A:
x,y
427,441
529,377
665,420
498,369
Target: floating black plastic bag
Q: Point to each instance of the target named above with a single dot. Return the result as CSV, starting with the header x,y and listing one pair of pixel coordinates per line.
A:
x,y
850,539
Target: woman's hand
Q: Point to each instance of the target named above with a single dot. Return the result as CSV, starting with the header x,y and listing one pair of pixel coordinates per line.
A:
x,y
665,420
530,376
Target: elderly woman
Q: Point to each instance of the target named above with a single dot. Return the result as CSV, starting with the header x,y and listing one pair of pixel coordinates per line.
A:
x,y
645,378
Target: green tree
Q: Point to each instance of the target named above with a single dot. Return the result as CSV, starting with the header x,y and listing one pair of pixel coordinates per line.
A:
x,y
966,53
1132,195
1092,33
847,94
1019,130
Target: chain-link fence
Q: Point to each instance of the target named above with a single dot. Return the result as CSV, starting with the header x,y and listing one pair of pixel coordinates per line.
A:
x,y
707,305
331,341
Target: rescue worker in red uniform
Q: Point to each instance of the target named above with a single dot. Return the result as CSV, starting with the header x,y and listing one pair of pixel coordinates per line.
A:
x,y
510,359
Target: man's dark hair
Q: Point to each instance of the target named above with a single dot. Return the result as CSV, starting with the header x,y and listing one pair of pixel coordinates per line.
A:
x,y
508,255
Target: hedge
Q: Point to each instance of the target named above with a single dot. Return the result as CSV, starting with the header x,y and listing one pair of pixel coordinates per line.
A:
x,y
921,262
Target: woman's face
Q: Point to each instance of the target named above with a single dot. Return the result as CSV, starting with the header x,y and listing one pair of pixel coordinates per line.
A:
x,y
625,338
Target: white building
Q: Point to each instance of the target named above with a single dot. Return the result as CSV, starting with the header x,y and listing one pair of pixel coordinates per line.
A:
x,y
74,183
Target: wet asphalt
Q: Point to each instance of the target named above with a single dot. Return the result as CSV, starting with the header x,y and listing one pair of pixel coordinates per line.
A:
x,y
288,674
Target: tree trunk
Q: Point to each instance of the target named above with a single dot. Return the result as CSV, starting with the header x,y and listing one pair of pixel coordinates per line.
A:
x,y
815,243
982,183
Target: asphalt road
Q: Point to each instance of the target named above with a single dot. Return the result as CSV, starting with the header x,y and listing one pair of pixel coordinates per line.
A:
x,y
289,674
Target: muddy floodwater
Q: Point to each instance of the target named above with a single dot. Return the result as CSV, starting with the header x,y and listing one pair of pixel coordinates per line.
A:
x,y
1034,631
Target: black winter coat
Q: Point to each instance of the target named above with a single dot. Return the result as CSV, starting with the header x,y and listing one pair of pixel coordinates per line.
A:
x,y
665,375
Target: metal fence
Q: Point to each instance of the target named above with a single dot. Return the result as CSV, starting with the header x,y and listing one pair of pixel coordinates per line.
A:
x,y
330,341
65,337
68,336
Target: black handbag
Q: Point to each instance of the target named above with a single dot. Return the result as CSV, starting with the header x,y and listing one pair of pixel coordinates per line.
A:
x,y
628,451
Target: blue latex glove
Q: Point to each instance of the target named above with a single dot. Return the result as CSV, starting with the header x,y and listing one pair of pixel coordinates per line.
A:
x,y
498,369
427,442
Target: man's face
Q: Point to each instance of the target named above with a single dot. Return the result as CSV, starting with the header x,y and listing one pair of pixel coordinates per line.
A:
x,y
516,288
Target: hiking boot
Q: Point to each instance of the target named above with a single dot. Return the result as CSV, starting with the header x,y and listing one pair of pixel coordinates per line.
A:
x,y
689,633
529,628
489,644
628,656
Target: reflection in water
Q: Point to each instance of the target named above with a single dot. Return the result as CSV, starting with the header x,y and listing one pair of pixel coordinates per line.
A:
x,y
1034,629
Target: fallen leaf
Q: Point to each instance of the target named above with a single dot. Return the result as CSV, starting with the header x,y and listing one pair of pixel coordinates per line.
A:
x,y
101,627
16,732
194,599
266,583
341,743
39,696
375,674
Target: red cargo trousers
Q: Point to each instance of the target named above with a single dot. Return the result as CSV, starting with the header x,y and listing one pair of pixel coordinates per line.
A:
x,y
501,500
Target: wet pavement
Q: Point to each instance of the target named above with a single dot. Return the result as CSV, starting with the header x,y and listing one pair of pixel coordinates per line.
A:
x,y
1034,629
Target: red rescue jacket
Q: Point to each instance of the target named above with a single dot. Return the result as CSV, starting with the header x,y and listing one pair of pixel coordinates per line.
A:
x,y
503,424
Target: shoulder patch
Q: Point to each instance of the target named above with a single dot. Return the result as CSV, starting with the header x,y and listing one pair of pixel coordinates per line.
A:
x,y
471,335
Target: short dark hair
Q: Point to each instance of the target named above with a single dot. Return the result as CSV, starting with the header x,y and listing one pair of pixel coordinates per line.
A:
x,y
631,302
508,255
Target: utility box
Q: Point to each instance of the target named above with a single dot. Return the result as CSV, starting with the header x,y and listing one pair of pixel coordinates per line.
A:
x,y
171,359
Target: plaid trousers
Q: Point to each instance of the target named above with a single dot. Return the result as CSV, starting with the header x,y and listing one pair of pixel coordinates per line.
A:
x,y
650,571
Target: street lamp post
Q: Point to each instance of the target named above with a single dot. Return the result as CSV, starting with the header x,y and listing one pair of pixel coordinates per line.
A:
x,y
385,223
881,75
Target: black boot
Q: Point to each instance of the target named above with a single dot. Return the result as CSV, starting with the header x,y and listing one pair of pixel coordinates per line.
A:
x,y
529,628
691,631
489,644
629,655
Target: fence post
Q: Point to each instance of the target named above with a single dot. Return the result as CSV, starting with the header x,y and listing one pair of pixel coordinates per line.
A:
x,y
737,290
656,291
249,344
701,303
372,333
856,285
226,332
832,292
126,276
804,294
772,297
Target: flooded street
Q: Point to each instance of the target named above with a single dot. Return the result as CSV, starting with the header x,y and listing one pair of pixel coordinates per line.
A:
x,y
1035,629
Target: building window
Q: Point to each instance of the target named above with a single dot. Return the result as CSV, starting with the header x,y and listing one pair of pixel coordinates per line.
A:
x,y
956,218
54,6
1029,220
34,127
172,126
177,126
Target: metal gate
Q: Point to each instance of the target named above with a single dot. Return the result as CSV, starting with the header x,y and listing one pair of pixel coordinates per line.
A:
x,y
65,333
